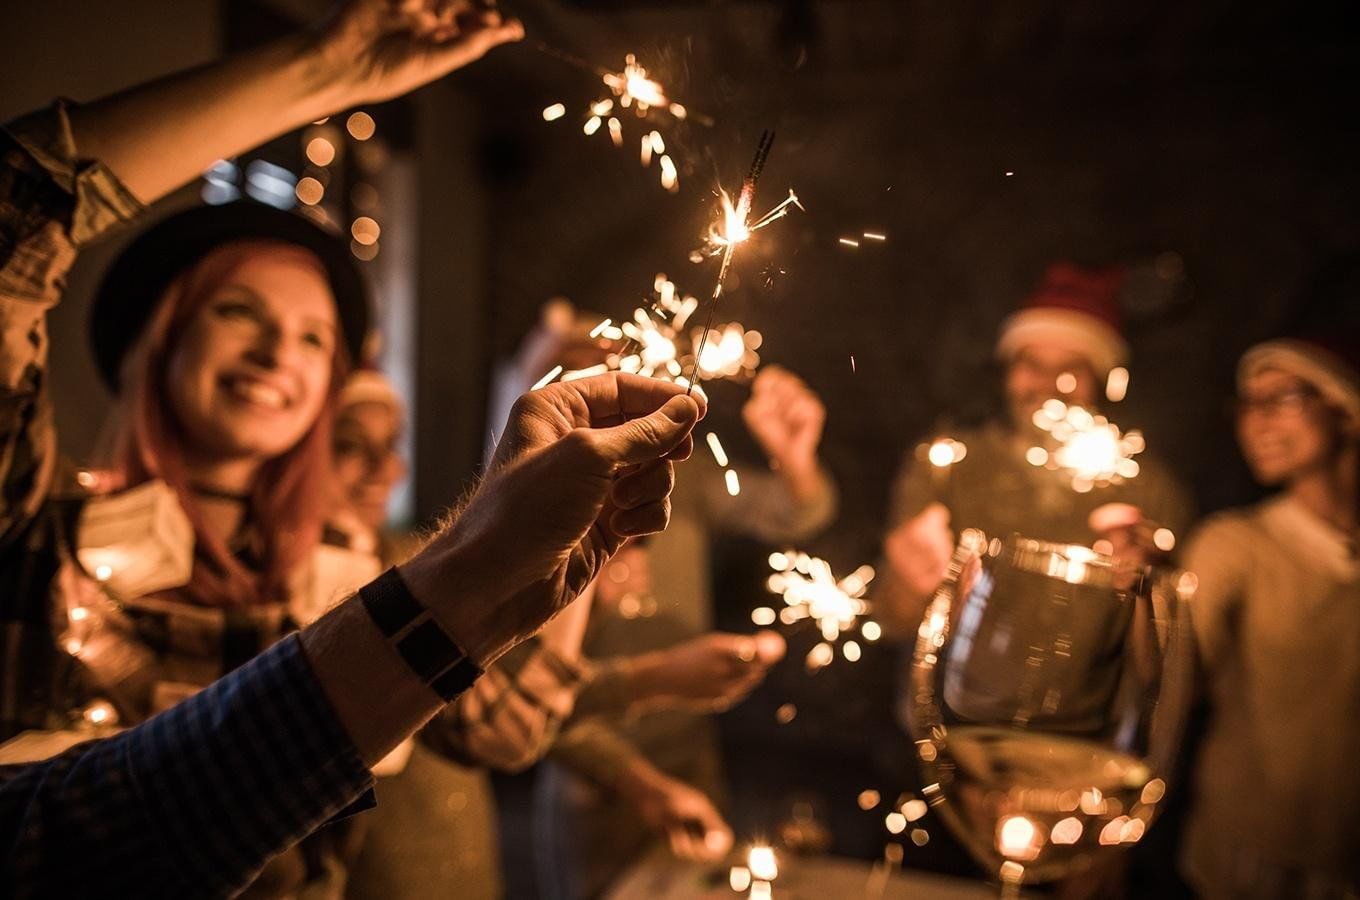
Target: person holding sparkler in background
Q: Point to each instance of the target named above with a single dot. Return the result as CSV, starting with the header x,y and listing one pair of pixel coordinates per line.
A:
x,y
1275,805
663,597
435,831
1063,344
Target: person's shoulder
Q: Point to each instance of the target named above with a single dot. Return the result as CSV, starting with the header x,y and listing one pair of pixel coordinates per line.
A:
x,y
1226,530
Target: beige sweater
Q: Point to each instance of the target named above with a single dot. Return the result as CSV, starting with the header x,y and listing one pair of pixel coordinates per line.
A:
x,y
1277,793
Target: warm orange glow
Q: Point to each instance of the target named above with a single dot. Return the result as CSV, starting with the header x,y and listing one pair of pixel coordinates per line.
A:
x,y
365,230
554,112
1018,837
761,861
1067,831
633,86
1153,791
820,656
1112,832
1117,384
941,454
733,482
670,176
360,126
616,131
309,191
716,446
734,228
868,800
320,151
100,712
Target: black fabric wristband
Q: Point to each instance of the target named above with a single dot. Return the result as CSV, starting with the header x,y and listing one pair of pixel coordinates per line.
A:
x,y
411,628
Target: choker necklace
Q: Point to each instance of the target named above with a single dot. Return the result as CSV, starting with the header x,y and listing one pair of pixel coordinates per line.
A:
x,y
213,493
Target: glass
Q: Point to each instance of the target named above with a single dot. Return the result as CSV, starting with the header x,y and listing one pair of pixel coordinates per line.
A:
x,y
1291,402
1049,690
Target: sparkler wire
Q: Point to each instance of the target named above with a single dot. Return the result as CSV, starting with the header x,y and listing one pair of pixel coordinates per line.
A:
x,y
744,203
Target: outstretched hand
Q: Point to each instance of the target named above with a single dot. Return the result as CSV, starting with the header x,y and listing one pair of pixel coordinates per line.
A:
x,y
581,467
709,673
389,47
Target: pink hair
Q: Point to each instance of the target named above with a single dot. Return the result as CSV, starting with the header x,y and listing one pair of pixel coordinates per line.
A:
x,y
287,503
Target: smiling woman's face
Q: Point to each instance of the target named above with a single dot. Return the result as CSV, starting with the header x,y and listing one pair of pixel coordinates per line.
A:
x,y
250,374
1284,427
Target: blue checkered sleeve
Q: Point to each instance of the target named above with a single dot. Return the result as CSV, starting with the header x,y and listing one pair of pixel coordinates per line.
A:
x,y
191,803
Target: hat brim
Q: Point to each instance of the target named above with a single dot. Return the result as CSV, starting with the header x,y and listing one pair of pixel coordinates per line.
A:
x,y
1337,382
133,286
1083,334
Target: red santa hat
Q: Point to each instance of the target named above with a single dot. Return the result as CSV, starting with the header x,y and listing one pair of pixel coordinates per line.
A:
x,y
1331,365
1075,308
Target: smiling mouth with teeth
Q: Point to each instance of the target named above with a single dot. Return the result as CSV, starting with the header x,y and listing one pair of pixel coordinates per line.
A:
x,y
258,393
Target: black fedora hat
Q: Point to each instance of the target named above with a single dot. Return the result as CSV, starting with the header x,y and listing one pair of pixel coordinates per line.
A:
x,y
133,285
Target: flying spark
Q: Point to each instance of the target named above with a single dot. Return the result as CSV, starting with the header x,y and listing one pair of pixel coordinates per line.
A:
x,y
631,88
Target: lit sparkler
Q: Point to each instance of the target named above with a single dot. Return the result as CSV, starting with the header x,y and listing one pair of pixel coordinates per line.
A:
x,y
758,875
811,591
1090,449
737,229
659,342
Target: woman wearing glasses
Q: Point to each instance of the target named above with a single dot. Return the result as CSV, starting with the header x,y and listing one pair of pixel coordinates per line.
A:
x,y
1276,805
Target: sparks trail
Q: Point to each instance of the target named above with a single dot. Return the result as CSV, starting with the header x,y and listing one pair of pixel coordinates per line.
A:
x,y
735,231
629,89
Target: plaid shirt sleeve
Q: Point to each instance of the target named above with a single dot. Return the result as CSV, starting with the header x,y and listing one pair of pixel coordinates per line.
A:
x,y
191,803
51,203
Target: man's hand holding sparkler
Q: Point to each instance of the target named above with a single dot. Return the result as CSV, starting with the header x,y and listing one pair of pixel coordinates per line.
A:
x,y
581,467
693,826
387,48
786,418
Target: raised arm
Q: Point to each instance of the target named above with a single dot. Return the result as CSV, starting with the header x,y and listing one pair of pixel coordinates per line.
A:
x,y
160,135
70,173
